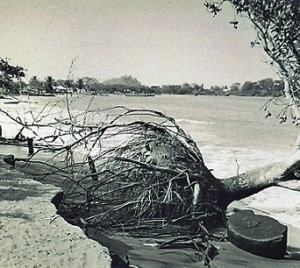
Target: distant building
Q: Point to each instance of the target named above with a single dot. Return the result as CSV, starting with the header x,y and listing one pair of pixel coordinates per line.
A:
x,y
62,89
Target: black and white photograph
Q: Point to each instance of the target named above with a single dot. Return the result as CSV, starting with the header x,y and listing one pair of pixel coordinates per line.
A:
x,y
150,133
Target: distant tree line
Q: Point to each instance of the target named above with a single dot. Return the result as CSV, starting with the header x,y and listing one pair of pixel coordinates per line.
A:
x,y
10,76
264,87
11,82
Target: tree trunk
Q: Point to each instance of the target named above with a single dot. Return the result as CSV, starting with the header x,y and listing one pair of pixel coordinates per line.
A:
x,y
252,182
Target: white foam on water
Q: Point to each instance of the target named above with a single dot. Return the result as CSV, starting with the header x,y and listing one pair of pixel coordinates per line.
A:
x,y
280,203
196,122
230,161
225,161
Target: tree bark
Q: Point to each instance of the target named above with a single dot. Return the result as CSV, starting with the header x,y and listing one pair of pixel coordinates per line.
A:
x,y
249,183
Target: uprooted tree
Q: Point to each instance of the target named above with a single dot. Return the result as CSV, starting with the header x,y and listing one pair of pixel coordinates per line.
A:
x,y
132,168
135,170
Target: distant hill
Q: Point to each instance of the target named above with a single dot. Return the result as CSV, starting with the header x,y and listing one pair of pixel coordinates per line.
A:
x,y
126,80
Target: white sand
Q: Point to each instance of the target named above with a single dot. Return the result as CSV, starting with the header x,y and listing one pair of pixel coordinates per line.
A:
x,y
279,203
33,235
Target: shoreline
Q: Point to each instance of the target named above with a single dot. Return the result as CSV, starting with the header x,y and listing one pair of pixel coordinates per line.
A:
x,y
34,235
140,253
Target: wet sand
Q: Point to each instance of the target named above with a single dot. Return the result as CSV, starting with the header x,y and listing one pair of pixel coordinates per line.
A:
x,y
139,251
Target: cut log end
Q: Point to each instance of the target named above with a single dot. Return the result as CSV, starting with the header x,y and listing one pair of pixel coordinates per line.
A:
x,y
258,234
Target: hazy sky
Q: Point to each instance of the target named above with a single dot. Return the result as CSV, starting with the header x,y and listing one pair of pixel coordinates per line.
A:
x,y
157,41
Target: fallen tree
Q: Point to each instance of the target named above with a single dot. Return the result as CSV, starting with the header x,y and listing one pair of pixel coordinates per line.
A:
x,y
139,165
137,171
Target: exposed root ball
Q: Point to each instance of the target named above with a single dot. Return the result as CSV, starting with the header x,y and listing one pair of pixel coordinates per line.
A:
x,y
150,174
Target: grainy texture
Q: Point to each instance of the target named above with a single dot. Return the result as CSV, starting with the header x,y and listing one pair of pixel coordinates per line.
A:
x,y
33,235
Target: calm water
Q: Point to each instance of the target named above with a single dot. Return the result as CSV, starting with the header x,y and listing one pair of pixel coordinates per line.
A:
x,y
232,134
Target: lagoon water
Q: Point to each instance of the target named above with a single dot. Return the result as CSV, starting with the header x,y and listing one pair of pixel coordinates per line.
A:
x,y
231,132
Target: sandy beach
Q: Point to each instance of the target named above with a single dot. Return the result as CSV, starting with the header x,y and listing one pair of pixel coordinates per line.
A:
x,y
33,235
229,256
36,236
143,253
